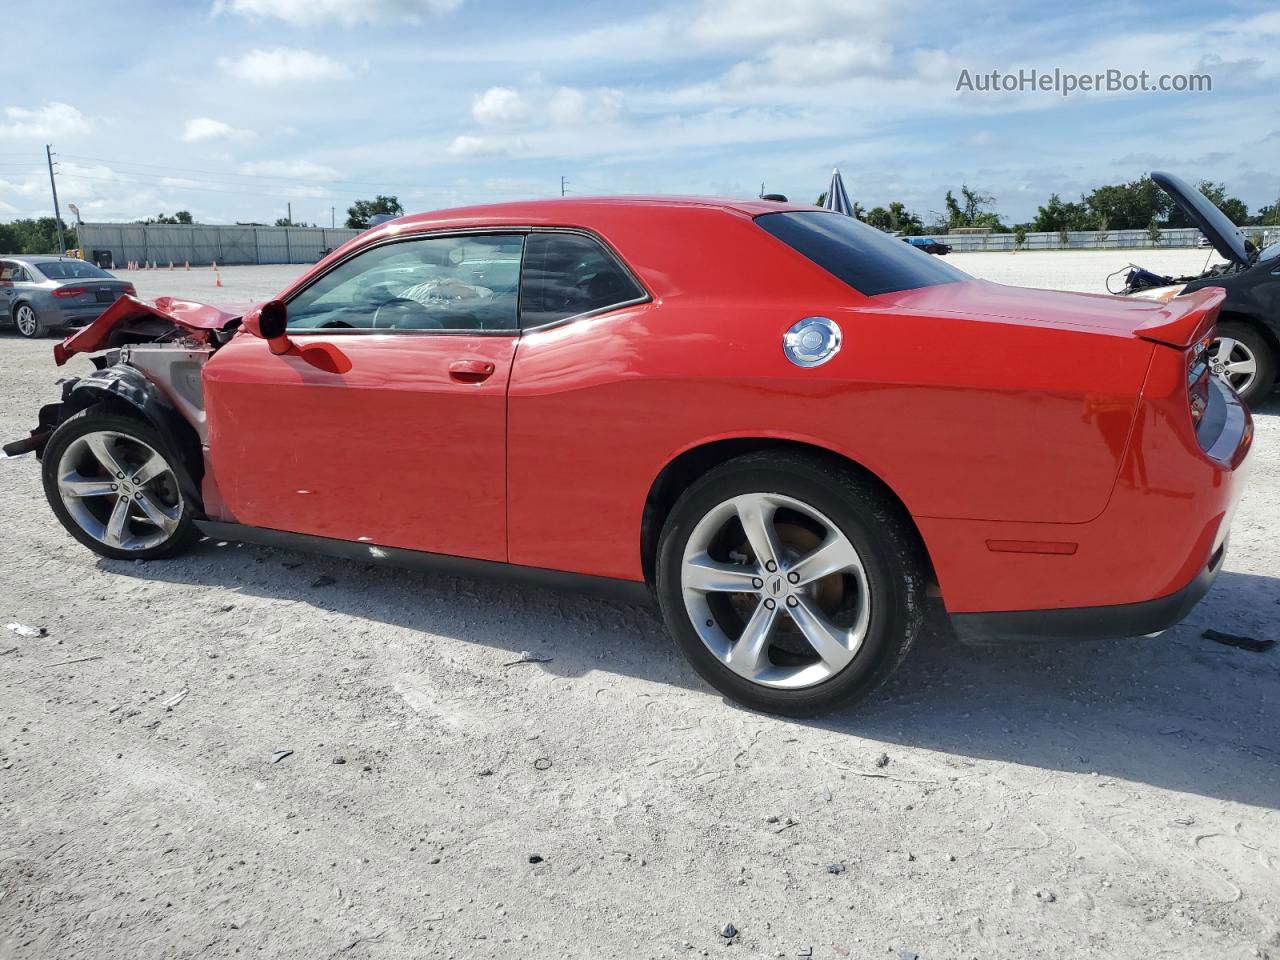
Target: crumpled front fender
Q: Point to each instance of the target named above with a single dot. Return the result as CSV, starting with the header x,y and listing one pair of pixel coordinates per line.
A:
x,y
130,320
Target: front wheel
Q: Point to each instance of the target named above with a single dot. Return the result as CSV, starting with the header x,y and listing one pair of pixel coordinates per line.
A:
x,y
1241,356
27,321
793,585
116,486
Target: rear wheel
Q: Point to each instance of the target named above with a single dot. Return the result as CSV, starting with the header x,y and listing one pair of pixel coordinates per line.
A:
x,y
116,486
793,586
27,321
1242,357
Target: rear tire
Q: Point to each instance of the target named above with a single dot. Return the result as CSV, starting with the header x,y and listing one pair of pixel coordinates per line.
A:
x,y
28,321
116,485
1236,346
821,624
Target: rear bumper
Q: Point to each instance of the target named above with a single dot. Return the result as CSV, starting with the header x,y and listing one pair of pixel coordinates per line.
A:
x,y
71,315
1089,623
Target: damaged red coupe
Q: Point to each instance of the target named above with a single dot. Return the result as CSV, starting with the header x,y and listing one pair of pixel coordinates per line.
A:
x,y
786,425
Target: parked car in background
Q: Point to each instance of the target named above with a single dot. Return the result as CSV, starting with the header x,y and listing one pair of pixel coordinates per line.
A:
x,y
684,397
929,245
39,294
1246,350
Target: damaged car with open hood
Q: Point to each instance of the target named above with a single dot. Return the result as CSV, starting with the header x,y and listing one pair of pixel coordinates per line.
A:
x,y
1246,351
685,399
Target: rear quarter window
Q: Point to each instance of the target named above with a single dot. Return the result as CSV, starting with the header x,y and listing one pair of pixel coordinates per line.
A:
x,y
863,257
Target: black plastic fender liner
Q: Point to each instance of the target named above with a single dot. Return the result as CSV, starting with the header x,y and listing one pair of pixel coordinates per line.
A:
x,y
121,384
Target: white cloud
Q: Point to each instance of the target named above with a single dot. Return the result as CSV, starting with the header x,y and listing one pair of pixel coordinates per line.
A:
x,y
201,129
979,138
499,105
748,23
542,104
54,119
468,146
290,169
284,65
571,105
828,60
346,12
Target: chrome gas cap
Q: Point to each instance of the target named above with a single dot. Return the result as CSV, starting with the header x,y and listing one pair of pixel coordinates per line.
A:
x,y
811,342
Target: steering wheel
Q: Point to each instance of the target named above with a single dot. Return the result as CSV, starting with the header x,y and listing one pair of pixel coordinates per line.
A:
x,y
401,308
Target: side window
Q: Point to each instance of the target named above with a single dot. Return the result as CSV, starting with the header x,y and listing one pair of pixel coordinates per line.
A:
x,y
566,274
432,283
6,271
21,273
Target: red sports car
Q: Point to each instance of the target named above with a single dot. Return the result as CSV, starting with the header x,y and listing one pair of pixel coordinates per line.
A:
x,y
786,425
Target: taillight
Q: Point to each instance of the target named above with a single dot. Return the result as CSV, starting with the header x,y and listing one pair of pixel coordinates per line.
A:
x,y
1198,379
70,291
129,290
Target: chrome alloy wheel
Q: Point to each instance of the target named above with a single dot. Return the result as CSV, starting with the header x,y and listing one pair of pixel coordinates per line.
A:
x,y
119,490
25,318
775,590
1233,362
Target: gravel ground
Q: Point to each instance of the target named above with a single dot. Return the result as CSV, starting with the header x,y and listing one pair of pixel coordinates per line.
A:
x,y
1096,799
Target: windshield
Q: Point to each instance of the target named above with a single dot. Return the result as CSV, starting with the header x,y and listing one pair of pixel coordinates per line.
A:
x,y
71,270
865,258
1271,252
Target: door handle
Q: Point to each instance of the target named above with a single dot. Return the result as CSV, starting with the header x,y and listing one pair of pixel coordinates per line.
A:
x,y
471,371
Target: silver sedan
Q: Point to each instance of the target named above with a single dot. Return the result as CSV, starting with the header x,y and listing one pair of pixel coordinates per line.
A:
x,y
39,294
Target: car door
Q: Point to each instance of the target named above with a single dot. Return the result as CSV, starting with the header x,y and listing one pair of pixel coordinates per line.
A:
x,y
8,270
386,421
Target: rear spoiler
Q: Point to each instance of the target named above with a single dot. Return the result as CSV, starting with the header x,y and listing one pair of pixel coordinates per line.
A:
x,y
1184,320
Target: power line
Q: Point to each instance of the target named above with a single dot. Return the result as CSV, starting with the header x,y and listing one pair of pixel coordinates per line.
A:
x,y
159,182
243,176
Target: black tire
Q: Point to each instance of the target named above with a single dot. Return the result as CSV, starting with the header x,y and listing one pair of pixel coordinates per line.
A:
x,y
876,526
1257,344
25,315
97,419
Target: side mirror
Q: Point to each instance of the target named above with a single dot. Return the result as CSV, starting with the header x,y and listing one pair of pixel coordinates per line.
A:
x,y
270,321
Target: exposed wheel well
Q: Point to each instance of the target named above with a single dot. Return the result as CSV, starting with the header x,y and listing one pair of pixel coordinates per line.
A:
x,y
676,477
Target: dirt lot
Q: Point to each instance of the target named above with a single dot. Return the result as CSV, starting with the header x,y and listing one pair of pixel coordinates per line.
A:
x,y
1098,799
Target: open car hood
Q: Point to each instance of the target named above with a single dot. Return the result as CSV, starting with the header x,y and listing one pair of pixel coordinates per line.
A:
x,y
1225,236
129,320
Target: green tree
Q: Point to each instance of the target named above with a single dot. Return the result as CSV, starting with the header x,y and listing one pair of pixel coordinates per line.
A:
x,y
822,199
1056,216
1019,236
904,221
358,213
974,209
879,218
1128,206
39,235
1153,233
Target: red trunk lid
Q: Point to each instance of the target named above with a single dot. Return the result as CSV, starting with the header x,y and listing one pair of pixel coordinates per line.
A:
x,y
1178,323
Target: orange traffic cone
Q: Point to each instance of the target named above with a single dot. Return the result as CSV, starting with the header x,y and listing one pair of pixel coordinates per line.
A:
x,y
186,264
217,278
170,264
215,265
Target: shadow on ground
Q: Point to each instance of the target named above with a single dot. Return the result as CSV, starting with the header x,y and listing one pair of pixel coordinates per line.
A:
x,y
1177,711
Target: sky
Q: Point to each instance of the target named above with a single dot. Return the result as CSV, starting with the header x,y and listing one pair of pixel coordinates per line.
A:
x,y
233,109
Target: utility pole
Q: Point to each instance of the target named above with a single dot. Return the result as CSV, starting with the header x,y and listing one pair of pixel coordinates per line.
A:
x,y
333,217
290,217
564,182
57,214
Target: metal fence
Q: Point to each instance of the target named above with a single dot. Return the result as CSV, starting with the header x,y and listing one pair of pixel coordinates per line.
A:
x,y
203,244
1094,239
